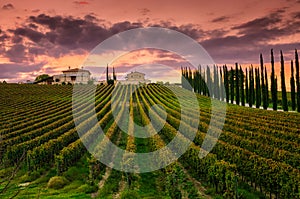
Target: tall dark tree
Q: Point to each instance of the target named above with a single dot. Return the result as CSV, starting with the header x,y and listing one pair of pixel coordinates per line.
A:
x,y
257,88
209,82
273,83
216,83
204,84
199,80
107,77
297,79
242,92
247,86
190,79
222,89
283,88
231,86
263,89
251,87
114,74
293,91
267,86
186,78
237,82
226,82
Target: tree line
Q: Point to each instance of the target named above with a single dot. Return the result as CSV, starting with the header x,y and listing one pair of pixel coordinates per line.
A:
x,y
250,86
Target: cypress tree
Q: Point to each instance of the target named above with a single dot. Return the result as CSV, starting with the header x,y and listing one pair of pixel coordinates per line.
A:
x,y
114,74
237,87
257,88
276,88
226,83
292,82
216,83
204,84
209,82
231,85
107,78
242,86
247,88
297,79
273,83
263,89
251,87
283,88
221,85
190,78
199,81
267,86
182,77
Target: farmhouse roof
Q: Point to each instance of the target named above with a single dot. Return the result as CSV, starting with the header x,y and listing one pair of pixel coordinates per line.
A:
x,y
137,72
75,70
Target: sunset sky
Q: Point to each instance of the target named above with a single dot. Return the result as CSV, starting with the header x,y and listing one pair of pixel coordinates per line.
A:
x,y
38,37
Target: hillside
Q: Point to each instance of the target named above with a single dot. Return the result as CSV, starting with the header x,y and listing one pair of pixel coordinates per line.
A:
x,y
256,156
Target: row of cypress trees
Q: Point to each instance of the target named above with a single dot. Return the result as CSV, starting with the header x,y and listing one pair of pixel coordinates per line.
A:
x,y
251,86
110,80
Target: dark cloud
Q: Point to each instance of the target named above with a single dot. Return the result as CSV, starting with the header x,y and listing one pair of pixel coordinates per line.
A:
x,y
242,49
31,34
259,24
253,37
17,39
35,11
220,19
122,26
16,53
90,17
11,71
50,22
190,30
65,35
8,6
296,15
3,37
33,26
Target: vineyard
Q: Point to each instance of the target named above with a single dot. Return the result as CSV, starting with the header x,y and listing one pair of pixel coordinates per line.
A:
x,y
256,156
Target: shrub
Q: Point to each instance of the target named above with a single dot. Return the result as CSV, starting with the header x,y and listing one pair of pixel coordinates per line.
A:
x,y
87,188
57,182
129,194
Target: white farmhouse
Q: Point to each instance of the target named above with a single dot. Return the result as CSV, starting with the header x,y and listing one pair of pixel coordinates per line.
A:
x,y
135,78
72,76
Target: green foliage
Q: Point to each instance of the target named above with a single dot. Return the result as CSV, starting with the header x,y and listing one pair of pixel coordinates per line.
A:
x,y
110,82
129,194
293,89
41,77
283,88
257,88
266,155
297,79
57,182
86,188
91,82
237,83
273,83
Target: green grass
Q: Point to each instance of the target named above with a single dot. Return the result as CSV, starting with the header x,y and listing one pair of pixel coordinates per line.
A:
x,y
38,180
